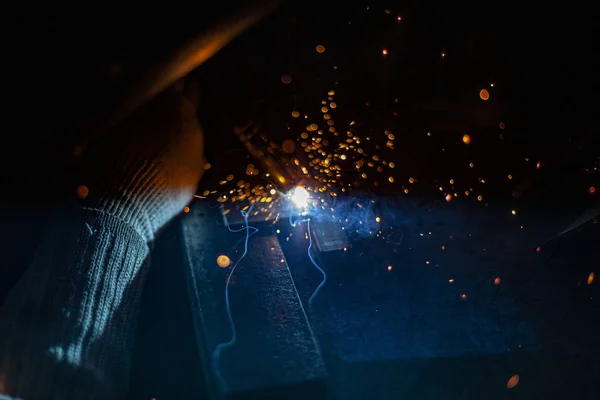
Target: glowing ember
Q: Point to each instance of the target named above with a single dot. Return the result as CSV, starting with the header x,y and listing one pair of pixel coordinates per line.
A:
x,y
513,381
223,261
82,192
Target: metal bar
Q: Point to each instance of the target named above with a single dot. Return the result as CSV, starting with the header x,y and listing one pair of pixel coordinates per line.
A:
x,y
276,354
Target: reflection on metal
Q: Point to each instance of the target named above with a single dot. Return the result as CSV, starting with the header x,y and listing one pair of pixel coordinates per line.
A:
x,y
588,218
328,236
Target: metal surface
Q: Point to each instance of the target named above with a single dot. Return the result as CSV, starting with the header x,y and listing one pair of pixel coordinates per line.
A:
x,y
329,236
276,354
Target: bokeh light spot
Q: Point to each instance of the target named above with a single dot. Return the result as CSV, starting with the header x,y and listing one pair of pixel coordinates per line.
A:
x,y
513,381
223,261
288,146
82,192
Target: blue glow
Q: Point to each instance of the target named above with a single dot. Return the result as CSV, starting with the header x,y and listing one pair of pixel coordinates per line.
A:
x,y
294,224
216,356
358,217
312,297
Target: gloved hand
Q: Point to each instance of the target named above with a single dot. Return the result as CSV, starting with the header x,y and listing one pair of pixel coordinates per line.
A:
x,y
67,328
147,169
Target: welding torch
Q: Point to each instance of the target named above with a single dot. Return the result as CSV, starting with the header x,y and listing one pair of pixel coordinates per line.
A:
x,y
173,67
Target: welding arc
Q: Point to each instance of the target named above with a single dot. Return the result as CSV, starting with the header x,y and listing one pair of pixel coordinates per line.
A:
x,y
216,355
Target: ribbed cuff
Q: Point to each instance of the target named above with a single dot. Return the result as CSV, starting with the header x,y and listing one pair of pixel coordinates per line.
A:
x,y
67,328
135,194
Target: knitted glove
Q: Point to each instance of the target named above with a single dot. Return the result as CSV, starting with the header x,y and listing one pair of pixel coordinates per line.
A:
x,y
147,169
67,327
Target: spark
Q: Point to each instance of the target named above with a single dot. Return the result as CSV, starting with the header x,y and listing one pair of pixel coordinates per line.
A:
x,y
82,192
512,382
223,261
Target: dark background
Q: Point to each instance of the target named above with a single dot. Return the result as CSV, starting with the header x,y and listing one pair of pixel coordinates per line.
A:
x,y
67,62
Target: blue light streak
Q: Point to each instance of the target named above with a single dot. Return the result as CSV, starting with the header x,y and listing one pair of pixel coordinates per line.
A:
x,y
216,356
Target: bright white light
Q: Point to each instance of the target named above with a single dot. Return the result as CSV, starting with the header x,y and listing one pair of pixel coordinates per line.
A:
x,y
300,197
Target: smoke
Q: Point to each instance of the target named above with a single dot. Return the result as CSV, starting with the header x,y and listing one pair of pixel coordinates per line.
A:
x,y
368,216
358,216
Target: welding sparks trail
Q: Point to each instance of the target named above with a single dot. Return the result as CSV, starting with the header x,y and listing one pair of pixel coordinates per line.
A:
x,y
216,356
